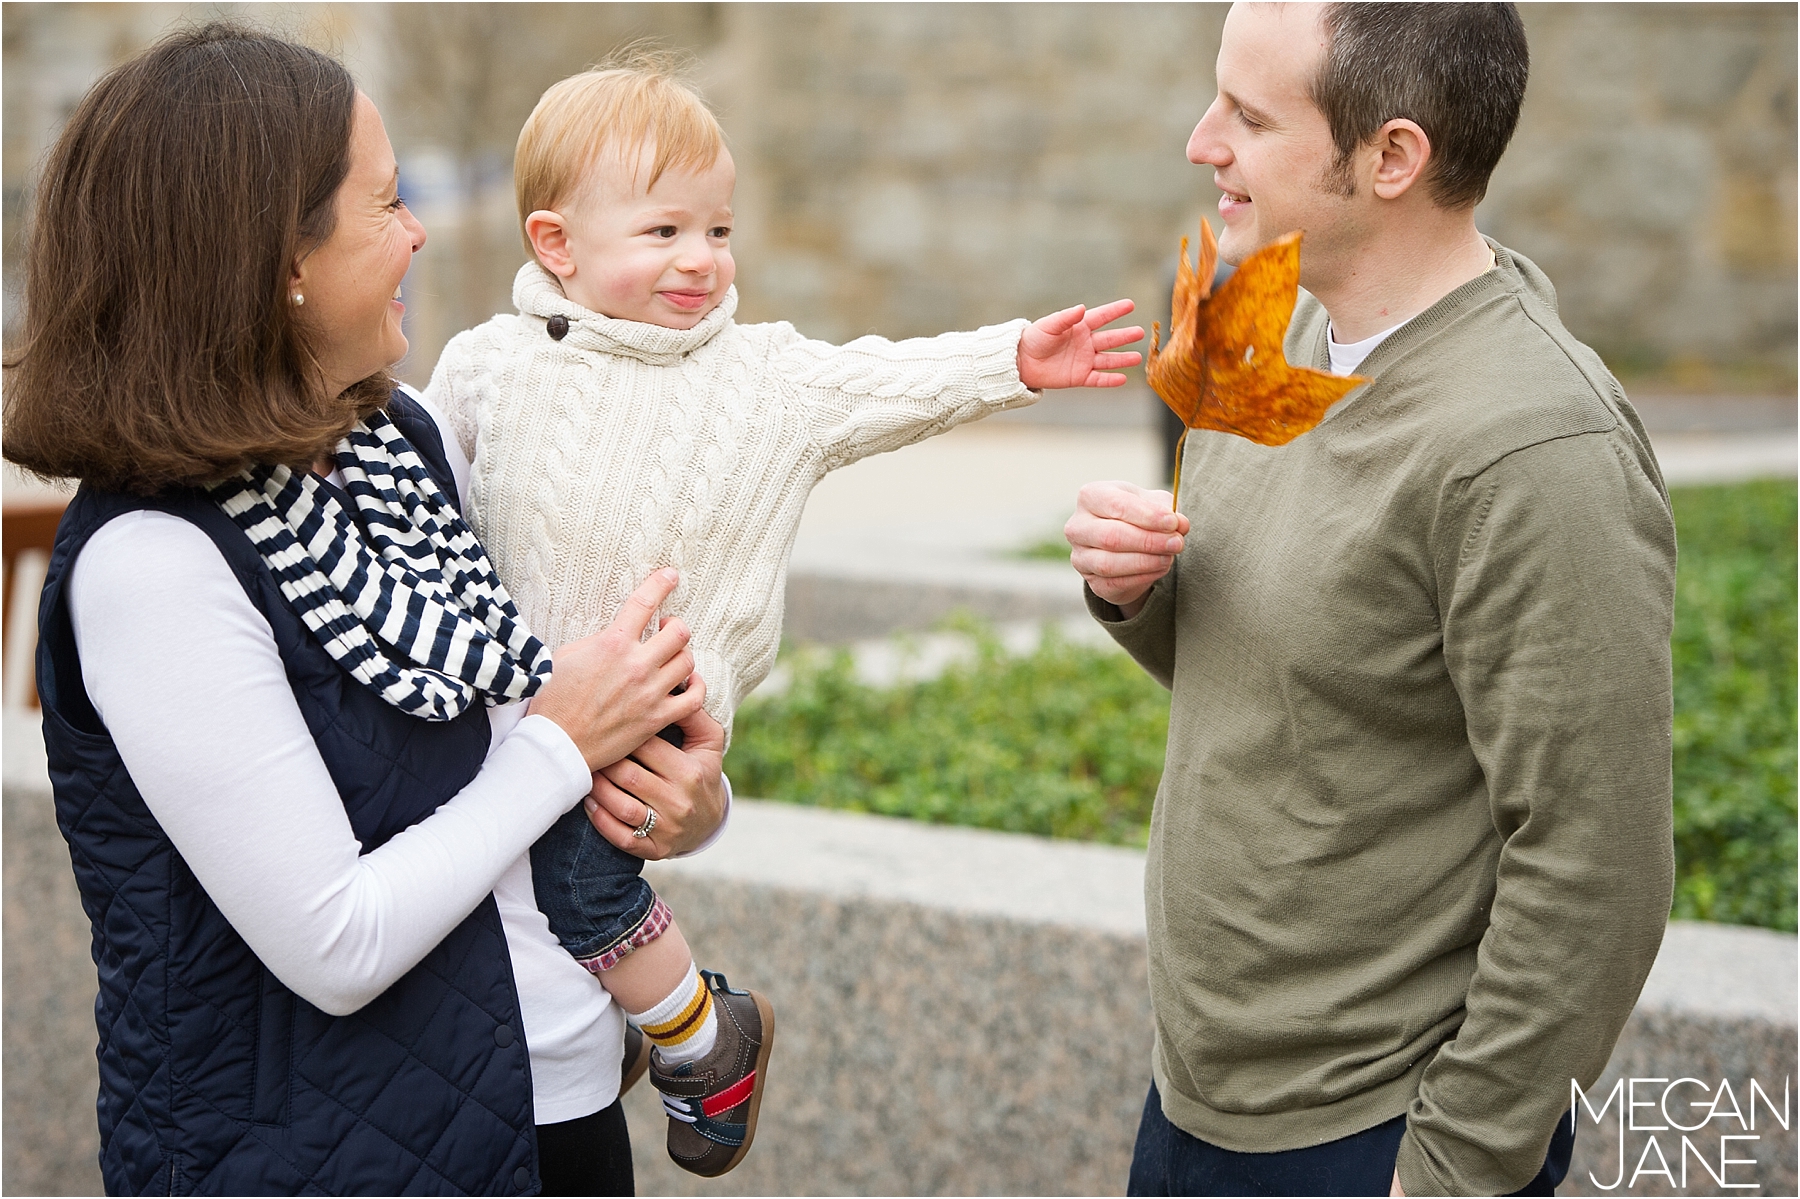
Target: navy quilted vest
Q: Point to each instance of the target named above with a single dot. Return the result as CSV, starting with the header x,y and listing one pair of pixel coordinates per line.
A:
x,y
214,1077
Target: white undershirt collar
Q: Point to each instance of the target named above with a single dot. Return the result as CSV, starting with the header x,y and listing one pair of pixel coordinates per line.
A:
x,y
1346,358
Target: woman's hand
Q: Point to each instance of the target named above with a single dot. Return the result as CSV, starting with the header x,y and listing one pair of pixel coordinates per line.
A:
x,y
683,786
611,691
1067,348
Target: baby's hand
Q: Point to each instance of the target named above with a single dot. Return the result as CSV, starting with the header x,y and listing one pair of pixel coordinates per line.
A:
x,y
1066,349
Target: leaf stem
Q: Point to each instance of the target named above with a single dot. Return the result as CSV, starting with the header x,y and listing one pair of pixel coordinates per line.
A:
x,y
1175,488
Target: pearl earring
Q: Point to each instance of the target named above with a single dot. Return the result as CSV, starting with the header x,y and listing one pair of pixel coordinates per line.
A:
x,y
299,299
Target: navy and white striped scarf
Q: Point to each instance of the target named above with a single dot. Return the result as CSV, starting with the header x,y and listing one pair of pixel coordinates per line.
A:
x,y
401,595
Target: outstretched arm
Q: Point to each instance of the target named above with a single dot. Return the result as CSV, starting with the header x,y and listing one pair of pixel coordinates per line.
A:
x,y
1069,348
873,395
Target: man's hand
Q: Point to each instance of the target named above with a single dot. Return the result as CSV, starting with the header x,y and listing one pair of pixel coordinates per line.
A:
x,y
1066,349
1395,1188
1124,538
683,786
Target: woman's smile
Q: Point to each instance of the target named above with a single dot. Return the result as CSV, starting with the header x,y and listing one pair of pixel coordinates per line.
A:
x,y
351,283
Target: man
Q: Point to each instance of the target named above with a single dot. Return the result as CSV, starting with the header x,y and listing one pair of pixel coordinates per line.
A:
x,y
1411,859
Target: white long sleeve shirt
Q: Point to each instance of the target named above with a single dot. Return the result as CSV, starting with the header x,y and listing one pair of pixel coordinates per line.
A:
x,y
184,671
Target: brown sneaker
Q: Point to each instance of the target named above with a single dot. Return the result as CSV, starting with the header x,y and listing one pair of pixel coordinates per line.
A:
x,y
712,1103
637,1057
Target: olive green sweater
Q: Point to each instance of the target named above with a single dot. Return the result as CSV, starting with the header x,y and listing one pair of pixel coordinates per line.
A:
x,y
1412,849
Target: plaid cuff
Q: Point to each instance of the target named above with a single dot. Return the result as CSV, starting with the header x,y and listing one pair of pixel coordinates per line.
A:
x,y
655,923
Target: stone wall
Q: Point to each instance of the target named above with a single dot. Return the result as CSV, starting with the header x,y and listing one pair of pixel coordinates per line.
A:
x,y
957,1012
911,168
1652,176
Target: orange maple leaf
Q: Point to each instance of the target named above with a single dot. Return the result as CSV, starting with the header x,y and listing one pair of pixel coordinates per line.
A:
x,y
1224,368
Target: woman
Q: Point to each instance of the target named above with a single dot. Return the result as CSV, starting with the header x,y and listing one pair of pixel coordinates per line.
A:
x,y
281,703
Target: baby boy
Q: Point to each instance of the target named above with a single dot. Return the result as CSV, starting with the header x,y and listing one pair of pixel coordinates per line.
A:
x,y
622,422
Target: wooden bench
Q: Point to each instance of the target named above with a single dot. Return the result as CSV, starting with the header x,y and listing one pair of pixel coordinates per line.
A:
x,y
27,531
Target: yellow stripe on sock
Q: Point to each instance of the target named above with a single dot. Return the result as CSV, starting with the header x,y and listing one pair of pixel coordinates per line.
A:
x,y
691,1020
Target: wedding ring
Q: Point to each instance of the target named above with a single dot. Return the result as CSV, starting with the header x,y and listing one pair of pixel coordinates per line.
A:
x,y
643,830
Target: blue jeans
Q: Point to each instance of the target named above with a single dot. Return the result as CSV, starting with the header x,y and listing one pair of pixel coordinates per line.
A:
x,y
1170,1161
593,893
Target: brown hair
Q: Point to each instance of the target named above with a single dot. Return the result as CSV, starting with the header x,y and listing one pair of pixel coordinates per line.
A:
x,y
160,347
1458,70
635,97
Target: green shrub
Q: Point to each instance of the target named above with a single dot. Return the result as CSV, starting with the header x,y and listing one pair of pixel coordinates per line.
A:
x,y
1050,549
1734,704
1068,742
1065,742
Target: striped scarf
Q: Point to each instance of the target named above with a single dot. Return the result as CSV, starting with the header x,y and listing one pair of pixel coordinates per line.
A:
x,y
402,595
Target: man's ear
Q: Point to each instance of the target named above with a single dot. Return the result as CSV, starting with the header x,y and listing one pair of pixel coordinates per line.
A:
x,y
1405,153
548,234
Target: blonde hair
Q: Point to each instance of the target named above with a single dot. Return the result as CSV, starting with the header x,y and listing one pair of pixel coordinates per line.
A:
x,y
636,96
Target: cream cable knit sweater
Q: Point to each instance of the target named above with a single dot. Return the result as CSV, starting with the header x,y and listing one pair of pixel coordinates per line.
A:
x,y
625,447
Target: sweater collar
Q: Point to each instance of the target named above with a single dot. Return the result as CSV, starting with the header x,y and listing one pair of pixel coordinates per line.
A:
x,y
1511,273
537,294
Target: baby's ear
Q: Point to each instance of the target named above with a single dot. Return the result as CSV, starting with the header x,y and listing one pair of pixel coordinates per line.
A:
x,y
548,234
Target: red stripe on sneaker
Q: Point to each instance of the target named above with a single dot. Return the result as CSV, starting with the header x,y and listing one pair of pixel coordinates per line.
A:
x,y
730,1097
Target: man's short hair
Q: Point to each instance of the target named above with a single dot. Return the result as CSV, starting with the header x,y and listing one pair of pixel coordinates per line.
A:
x,y
1458,70
635,98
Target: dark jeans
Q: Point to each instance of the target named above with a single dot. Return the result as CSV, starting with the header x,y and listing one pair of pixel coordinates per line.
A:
x,y
587,1156
1169,1161
592,892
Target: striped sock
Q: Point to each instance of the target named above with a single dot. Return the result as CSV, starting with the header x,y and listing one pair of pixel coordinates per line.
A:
x,y
683,1027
